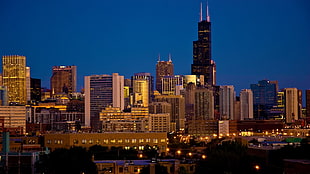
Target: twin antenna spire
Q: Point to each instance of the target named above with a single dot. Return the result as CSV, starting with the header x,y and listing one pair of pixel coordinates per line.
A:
x,y
207,17
169,57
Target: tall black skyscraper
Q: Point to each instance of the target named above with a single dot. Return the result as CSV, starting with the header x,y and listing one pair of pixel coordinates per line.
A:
x,y
202,62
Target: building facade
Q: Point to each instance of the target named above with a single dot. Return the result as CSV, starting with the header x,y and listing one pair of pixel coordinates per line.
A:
x,y
177,110
170,84
291,105
227,100
264,98
163,68
246,104
112,139
102,91
63,79
14,78
13,119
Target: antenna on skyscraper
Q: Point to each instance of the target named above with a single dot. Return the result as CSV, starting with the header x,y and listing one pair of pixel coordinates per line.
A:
x,y
208,17
200,12
169,57
158,58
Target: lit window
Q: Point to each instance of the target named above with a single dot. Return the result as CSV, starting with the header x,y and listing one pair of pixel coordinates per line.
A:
x,y
147,140
141,147
155,140
91,141
105,141
112,141
127,140
119,140
75,141
141,140
84,141
134,141
162,140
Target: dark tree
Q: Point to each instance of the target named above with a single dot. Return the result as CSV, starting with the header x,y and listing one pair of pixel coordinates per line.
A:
x,y
62,161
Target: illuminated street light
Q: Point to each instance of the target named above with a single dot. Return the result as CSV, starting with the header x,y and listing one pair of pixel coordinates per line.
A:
x,y
179,152
257,167
203,156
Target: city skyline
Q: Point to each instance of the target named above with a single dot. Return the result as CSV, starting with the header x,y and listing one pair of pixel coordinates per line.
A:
x,y
126,38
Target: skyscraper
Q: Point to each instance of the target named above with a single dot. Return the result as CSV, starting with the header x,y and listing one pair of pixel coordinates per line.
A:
x,y
264,98
163,68
227,100
291,104
169,84
141,92
202,60
177,110
102,91
63,79
146,77
246,104
14,78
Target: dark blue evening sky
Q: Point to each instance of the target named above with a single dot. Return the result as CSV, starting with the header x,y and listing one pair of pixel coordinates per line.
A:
x,y
251,39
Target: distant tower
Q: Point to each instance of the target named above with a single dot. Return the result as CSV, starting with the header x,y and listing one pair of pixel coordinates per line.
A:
x,y
265,95
14,78
141,92
227,100
102,91
63,79
169,84
146,77
202,60
246,104
177,110
163,68
291,104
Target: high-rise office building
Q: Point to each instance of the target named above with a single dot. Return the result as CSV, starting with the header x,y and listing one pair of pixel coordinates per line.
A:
x,y
148,78
163,68
35,89
202,60
177,110
246,104
291,104
63,79
264,98
202,123
170,83
102,91
227,100
14,78
141,92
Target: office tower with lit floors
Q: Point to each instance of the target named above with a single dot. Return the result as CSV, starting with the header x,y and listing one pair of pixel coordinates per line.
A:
x,y
14,78
63,80
140,78
163,68
102,91
202,60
